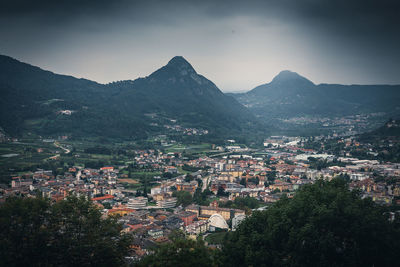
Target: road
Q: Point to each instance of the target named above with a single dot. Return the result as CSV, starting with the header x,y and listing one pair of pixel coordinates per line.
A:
x,y
66,150
206,180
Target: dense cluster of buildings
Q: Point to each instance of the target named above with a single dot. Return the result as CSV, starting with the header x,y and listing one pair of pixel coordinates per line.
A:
x,y
282,167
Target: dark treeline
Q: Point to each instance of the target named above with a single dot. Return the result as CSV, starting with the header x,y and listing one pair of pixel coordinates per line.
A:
x,y
324,224
71,232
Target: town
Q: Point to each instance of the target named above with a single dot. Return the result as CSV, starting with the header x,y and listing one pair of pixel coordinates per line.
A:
x,y
212,193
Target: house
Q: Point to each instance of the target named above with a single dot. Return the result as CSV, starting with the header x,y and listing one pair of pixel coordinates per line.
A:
x,y
281,186
189,187
155,233
120,211
187,217
107,169
105,197
197,228
171,169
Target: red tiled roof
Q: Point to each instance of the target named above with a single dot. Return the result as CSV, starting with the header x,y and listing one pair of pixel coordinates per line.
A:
x,y
120,209
107,168
103,197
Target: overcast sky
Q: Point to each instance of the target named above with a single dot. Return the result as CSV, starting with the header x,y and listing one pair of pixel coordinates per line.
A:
x,y
236,44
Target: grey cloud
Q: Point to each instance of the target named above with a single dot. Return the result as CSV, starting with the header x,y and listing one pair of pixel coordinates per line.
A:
x,y
319,38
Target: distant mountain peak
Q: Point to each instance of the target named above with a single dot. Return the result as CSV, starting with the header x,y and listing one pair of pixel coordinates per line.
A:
x,y
181,64
178,70
288,76
178,60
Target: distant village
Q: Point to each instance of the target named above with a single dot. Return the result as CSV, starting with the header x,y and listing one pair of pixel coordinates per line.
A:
x,y
279,169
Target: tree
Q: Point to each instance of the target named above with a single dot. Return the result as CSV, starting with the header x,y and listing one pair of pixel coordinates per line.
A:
x,y
271,176
325,224
167,175
200,197
221,192
189,178
254,180
36,232
184,198
243,203
181,252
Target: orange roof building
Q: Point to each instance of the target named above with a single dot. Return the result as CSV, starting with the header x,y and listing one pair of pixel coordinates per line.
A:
x,y
102,198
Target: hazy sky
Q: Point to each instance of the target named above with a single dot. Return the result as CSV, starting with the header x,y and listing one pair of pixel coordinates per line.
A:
x,y
236,44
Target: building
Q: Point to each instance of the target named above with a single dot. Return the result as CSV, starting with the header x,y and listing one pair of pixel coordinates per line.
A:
x,y
281,186
18,182
137,203
155,190
105,197
189,187
107,169
171,169
120,211
155,233
187,217
206,212
167,203
197,227
217,221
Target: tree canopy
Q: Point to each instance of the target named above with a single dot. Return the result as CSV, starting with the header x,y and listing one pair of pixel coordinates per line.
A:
x,y
36,232
184,198
181,252
243,203
325,224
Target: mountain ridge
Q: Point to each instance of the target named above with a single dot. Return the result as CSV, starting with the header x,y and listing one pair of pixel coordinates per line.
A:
x,y
32,100
290,95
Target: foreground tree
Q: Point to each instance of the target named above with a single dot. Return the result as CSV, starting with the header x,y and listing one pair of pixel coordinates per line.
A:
x,y
35,232
181,252
325,224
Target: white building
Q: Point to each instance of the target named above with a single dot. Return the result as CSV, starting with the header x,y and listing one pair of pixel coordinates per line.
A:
x,y
198,227
167,203
137,203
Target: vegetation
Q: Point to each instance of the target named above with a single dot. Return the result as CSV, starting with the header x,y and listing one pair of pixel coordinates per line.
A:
x,y
216,238
320,164
31,101
325,224
202,198
36,232
385,140
244,203
302,97
184,198
181,252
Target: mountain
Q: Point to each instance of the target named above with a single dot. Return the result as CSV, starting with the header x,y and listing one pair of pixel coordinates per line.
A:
x,y
173,97
291,81
177,91
291,95
381,144
390,130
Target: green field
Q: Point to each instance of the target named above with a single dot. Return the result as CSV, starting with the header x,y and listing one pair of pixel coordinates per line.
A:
x,y
19,157
31,153
200,148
